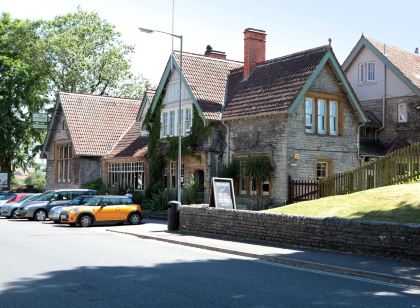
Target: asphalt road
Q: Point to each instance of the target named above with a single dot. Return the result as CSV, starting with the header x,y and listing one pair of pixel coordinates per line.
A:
x,y
45,265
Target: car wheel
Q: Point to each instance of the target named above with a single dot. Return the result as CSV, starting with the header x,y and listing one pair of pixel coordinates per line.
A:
x,y
85,221
13,215
135,219
40,215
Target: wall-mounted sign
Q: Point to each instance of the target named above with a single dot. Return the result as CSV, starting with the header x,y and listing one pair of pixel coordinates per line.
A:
x,y
40,125
40,117
222,194
4,180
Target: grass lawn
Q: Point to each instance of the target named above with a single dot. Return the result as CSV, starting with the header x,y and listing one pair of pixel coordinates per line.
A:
x,y
399,203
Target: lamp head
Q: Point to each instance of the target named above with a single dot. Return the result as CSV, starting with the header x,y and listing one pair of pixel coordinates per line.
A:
x,y
145,30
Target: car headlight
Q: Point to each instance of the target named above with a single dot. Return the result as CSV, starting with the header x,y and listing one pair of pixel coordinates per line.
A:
x,y
74,211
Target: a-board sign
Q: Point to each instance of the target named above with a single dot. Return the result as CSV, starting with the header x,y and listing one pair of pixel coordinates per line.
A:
x,y
222,194
40,117
4,180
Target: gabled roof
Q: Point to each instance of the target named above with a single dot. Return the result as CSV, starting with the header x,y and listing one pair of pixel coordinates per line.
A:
x,y
279,85
145,103
406,65
95,123
131,143
205,78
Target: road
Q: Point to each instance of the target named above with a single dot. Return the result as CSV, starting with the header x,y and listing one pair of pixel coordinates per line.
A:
x,y
47,265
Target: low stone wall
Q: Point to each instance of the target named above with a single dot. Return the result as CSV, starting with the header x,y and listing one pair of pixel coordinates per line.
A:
x,y
375,238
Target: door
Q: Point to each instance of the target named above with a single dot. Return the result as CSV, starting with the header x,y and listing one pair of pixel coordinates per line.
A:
x,y
108,210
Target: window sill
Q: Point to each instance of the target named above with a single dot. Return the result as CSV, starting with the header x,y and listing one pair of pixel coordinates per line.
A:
x,y
367,83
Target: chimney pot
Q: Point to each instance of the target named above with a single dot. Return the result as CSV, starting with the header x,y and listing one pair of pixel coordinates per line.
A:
x,y
416,50
214,53
254,49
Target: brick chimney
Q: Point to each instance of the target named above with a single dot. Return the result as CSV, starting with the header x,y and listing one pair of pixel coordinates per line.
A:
x,y
254,49
214,53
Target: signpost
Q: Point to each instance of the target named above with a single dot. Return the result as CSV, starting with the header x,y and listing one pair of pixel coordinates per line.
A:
x,y
222,194
40,120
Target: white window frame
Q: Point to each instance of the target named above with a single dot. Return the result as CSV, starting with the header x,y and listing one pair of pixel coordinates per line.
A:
x,y
164,124
128,174
322,117
362,73
172,121
370,72
327,166
333,118
310,100
187,120
402,113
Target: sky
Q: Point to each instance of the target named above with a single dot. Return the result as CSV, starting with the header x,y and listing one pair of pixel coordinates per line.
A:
x,y
291,26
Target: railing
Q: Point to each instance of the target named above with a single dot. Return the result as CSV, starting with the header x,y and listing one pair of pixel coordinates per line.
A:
x,y
399,167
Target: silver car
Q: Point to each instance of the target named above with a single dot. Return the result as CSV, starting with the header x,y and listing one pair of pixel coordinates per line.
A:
x,y
8,210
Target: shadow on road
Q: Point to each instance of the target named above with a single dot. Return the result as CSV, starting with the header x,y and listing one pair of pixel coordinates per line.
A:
x,y
212,283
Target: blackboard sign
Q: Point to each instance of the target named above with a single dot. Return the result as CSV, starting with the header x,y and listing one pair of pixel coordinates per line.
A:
x,y
222,194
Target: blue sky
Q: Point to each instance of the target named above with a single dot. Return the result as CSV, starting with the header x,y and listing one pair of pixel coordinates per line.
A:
x,y
291,25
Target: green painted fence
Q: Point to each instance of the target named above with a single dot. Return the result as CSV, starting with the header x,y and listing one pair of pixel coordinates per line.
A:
x,y
402,166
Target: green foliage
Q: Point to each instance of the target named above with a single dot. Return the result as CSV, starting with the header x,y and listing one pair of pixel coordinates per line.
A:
x,y
86,55
36,180
229,170
23,91
258,168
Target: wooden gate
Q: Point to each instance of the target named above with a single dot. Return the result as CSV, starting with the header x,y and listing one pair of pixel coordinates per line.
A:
x,y
302,190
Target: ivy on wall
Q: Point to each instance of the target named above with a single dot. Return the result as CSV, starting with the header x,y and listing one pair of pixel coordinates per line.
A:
x,y
162,150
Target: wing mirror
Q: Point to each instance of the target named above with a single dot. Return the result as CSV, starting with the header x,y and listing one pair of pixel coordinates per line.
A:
x,y
102,204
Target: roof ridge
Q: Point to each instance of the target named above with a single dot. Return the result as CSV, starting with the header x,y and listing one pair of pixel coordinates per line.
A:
x,y
293,55
390,45
207,58
98,96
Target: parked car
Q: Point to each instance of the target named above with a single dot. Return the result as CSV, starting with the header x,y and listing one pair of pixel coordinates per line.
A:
x,y
8,210
55,212
38,210
6,197
103,209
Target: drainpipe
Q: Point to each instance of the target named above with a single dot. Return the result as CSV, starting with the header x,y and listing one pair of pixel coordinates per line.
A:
x,y
358,141
228,140
383,107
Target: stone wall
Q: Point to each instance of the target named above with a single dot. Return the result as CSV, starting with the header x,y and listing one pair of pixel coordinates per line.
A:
x,y
375,238
395,131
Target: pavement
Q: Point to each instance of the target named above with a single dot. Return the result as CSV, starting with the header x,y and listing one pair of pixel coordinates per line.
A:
x,y
366,267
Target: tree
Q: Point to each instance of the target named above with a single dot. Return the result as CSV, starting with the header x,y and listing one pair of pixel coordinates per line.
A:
x,y
87,55
36,180
23,91
258,169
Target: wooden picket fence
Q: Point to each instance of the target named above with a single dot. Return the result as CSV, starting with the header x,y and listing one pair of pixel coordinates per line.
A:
x,y
399,167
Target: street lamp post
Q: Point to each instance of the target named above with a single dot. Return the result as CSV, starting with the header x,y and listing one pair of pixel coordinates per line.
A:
x,y
149,31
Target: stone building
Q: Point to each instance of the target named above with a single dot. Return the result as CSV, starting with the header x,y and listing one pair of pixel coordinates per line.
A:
x,y
386,80
203,82
299,110
87,134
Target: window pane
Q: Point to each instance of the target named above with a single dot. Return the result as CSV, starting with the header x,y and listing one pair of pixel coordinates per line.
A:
x,y
171,123
321,116
402,113
309,118
321,170
371,71
165,124
333,117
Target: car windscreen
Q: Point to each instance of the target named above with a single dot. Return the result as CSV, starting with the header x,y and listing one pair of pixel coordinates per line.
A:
x,y
94,201
46,196
6,197
31,198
